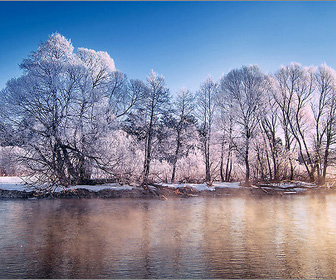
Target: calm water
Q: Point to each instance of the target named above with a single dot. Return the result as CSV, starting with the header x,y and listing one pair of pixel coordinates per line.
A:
x,y
290,237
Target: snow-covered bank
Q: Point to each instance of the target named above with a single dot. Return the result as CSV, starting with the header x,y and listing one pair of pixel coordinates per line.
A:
x,y
15,187
13,184
19,184
292,184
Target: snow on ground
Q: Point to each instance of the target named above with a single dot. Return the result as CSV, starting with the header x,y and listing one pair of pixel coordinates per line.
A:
x,y
13,184
231,185
294,184
18,184
202,187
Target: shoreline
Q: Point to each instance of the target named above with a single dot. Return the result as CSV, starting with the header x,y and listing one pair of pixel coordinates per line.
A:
x,y
164,192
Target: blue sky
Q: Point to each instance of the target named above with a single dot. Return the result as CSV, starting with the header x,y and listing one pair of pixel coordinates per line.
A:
x,y
184,41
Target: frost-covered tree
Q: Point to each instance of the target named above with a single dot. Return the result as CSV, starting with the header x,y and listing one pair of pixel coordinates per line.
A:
x,y
72,117
295,86
206,106
269,128
324,111
38,102
227,126
246,86
181,123
145,121
155,105
61,107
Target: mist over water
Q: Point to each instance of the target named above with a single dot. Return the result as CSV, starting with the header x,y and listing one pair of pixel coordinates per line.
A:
x,y
270,237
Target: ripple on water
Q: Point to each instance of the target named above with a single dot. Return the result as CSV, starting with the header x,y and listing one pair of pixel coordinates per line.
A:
x,y
190,238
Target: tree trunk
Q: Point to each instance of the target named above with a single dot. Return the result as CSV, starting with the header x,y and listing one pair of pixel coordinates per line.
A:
x,y
207,162
325,159
178,145
291,169
247,165
147,159
269,165
222,162
229,158
261,166
228,167
148,149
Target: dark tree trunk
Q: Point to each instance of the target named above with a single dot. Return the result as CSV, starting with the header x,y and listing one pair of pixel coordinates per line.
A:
x,y
147,158
148,149
247,165
178,145
269,165
222,162
291,169
228,166
325,159
207,161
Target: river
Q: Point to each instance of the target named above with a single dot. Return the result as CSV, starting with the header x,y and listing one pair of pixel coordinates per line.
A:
x,y
229,237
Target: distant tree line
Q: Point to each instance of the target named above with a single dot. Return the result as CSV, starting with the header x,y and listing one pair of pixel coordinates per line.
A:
x,y
72,117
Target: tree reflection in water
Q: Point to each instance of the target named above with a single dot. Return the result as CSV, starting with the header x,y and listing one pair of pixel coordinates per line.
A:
x,y
270,237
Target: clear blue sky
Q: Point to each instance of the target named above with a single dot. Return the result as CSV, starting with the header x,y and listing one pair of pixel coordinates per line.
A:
x,y
184,41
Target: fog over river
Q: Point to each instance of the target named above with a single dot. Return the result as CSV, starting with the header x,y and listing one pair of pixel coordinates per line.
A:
x,y
229,237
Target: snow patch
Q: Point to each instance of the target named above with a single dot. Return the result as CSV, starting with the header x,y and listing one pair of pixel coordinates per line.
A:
x,y
203,187
18,184
14,184
294,184
231,185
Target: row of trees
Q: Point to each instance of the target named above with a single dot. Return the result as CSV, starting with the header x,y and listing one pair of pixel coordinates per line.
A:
x,y
72,117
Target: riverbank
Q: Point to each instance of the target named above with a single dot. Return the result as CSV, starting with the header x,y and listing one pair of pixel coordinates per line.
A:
x,y
16,188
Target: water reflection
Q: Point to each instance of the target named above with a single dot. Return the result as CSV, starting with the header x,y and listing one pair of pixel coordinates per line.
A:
x,y
289,237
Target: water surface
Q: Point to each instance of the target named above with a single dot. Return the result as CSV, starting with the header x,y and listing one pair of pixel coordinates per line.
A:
x,y
270,237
